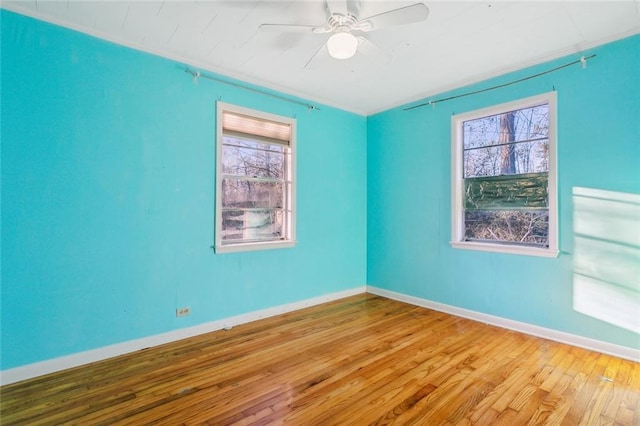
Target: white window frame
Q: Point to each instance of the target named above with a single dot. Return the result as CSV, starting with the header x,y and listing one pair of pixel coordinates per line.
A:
x,y
289,227
457,179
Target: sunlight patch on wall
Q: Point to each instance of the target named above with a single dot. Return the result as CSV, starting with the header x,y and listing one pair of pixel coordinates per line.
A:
x,y
606,266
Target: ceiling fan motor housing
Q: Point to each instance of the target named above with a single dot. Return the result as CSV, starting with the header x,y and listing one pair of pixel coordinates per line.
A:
x,y
337,20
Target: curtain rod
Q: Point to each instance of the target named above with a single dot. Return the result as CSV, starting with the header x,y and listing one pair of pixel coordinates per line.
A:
x,y
198,74
582,60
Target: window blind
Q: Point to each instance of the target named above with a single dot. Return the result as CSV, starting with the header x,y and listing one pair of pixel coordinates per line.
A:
x,y
234,124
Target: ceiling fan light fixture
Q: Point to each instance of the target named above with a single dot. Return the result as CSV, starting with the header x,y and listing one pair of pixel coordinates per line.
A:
x,y
342,45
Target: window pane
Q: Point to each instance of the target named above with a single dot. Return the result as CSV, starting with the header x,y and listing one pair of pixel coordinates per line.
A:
x,y
529,190
529,157
515,227
252,225
509,143
243,158
240,193
511,126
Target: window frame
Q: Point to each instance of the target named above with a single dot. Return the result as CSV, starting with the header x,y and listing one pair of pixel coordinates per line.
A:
x,y
289,226
457,178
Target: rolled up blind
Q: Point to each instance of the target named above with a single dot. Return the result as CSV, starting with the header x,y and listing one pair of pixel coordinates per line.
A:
x,y
243,126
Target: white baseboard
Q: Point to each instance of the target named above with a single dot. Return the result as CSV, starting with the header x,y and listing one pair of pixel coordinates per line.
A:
x,y
533,330
74,360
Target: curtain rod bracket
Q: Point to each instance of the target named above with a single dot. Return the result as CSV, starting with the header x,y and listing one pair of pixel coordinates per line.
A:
x,y
583,60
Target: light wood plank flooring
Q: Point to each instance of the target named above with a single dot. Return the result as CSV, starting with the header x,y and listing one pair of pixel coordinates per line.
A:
x,y
357,361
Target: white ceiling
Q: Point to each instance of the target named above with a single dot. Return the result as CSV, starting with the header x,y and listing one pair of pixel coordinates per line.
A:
x,y
461,42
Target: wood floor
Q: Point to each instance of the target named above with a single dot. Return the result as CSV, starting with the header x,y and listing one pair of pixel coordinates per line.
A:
x,y
357,361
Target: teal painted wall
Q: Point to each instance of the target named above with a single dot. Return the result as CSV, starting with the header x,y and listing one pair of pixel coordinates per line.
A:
x,y
108,198
409,201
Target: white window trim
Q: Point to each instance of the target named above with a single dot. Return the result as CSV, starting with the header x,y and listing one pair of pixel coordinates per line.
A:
x,y
457,192
290,230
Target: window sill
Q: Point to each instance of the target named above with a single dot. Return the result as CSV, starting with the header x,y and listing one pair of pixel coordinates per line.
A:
x,y
241,247
496,248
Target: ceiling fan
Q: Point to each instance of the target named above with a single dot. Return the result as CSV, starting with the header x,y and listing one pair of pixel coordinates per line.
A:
x,y
343,20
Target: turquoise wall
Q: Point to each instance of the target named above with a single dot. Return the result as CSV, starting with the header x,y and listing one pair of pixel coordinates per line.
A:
x,y
108,198
409,201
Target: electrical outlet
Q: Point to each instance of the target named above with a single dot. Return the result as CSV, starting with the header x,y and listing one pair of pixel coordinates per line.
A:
x,y
183,312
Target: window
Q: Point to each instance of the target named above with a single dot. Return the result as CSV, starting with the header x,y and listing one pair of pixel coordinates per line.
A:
x,y
255,165
504,178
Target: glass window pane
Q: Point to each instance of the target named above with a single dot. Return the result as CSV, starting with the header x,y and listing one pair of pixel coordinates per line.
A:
x,y
530,190
244,143
516,227
527,157
512,126
252,224
253,159
240,193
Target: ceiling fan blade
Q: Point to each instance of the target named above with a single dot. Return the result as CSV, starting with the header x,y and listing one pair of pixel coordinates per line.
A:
x,y
320,56
291,28
337,7
404,15
373,52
